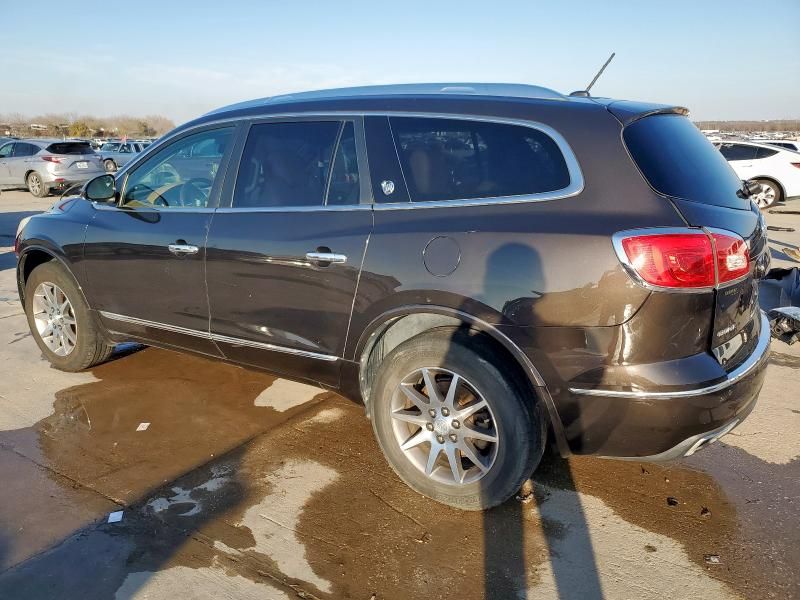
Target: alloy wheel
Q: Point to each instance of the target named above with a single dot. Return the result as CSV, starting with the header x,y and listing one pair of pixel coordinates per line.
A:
x,y
55,319
766,197
35,184
444,426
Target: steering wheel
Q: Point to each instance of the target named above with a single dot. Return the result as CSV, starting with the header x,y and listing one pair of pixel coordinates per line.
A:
x,y
140,189
192,192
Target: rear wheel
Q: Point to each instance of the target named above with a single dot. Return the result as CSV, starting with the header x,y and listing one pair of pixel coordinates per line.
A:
x,y
60,320
770,193
109,165
36,186
452,425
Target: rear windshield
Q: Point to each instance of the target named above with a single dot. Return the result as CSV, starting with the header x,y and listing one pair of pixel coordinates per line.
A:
x,y
678,160
70,148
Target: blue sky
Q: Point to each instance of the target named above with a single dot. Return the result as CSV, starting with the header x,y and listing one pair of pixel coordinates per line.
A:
x,y
724,60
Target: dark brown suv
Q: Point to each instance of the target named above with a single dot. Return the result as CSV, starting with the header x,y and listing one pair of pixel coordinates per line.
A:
x,y
481,265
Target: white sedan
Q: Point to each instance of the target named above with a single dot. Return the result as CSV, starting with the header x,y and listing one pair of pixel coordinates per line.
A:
x,y
776,169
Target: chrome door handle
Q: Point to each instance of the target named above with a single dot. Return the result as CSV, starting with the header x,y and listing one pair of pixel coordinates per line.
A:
x,y
328,257
178,249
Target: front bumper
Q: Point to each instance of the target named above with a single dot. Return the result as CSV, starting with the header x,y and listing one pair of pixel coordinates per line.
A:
x,y
661,425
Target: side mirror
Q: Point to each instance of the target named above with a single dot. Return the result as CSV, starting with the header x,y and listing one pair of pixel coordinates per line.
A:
x,y
100,189
750,188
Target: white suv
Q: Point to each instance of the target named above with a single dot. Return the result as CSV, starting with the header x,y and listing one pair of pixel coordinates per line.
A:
x,y
776,169
788,144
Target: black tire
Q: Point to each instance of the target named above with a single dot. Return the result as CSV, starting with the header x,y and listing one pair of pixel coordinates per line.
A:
x,y
36,185
519,418
91,347
109,165
777,193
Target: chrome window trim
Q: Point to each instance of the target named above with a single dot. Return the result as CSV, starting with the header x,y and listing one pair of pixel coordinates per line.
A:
x,y
315,208
217,337
760,353
574,188
141,209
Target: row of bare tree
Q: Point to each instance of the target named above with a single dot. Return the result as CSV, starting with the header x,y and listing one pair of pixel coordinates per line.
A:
x,y
765,126
73,125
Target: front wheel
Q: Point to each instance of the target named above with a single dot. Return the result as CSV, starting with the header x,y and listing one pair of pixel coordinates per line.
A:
x,y
770,193
453,424
60,320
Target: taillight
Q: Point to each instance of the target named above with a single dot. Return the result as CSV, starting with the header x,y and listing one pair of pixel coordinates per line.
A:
x,y
796,165
733,256
692,259
52,159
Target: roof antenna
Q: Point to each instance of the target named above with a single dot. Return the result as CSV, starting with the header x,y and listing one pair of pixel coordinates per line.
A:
x,y
585,93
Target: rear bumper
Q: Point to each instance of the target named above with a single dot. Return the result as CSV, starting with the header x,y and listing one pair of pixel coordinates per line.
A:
x,y
71,177
660,425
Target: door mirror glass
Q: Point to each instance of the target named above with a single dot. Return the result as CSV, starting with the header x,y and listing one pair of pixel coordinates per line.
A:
x,y
100,189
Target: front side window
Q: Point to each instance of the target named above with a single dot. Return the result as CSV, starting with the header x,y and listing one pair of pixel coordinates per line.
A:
x,y
173,177
125,149
448,159
286,164
5,150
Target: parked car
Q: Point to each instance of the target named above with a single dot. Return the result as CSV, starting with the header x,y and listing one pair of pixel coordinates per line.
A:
x,y
44,165
776,169
483,266
117,154
787,144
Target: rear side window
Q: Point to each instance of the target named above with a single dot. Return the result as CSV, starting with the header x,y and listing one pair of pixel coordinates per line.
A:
x,y
344,183
677,160
765,152
286,164
738,151
449,159
70,148
24,149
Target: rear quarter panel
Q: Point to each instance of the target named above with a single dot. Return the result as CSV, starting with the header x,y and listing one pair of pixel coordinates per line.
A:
x,y
527,266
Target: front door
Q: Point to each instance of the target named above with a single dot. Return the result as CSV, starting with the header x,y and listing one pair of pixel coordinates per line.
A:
x,y
144,256
284,259
5,156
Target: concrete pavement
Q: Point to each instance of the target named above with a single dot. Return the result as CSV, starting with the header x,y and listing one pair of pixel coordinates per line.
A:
x,y
246,485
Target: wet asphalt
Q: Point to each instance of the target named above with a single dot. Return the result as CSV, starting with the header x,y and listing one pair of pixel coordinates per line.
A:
x,y
243,485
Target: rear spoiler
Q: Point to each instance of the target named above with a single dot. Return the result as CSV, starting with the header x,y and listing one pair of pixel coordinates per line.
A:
x,y
627,111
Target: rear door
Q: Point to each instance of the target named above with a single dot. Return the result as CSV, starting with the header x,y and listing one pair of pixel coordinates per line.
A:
x,y
678,161
20,161
284,258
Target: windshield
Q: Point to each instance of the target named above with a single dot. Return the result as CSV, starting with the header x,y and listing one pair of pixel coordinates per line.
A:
x,y
677,160
110,146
